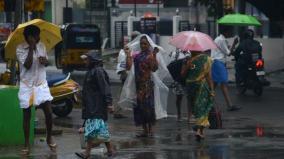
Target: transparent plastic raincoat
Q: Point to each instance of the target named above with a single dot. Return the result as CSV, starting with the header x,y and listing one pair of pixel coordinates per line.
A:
x,y
128,95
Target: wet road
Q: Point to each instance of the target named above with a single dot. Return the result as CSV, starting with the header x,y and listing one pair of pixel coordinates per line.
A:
x,y
175,140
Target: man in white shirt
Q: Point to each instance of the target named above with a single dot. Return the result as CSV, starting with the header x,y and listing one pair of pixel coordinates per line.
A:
x,y
34,90
121,71
219,70
121,62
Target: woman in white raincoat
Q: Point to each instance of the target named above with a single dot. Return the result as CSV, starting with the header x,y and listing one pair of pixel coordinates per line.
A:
x,y
144,89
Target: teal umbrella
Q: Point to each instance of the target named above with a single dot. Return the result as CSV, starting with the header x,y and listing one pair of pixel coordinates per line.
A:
x,y
239,20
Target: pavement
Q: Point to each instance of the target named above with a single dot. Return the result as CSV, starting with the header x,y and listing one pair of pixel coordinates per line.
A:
x,y
238,139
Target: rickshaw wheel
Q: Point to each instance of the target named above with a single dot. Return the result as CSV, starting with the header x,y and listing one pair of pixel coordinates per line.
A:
x,y
62,108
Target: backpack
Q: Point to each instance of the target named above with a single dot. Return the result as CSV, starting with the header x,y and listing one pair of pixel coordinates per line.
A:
x,y
251,47
215,118
175,71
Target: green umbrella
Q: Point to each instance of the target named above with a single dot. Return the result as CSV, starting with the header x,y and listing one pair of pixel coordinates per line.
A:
x,y
239,20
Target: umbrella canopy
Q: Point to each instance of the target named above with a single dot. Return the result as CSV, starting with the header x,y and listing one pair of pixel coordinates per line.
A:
x,y
49,34
193,41
239,20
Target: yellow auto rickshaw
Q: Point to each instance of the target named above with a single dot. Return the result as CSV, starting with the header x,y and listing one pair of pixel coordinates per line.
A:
x,y
77,40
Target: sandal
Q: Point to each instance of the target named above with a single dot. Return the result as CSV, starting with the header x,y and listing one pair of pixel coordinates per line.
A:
x,y
151,134
25,152
199,137
110,154
81,155
52,147
142,135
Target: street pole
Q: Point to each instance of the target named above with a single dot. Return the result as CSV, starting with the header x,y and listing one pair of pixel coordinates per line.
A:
x,y
158,8
241,9
18,20
66,3
8,13
90,14
67,13
197,17
135,8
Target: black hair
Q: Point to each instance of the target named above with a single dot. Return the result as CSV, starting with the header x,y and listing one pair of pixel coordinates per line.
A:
x,y
225,29
31,30
249,34
143,37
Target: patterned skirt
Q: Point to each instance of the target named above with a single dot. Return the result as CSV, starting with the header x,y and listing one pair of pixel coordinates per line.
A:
x,y
96,130
144,111
198,95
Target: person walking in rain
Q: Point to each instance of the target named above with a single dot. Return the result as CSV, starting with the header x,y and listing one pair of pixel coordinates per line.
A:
x,y
34,90
96,103
178,89
219,70
143,85
200,89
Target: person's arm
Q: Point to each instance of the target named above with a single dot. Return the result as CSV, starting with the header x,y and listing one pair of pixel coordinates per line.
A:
x,y
185,67
260,50
154,62
237,52
104,87
210,83
121,63
223,46
128,58
43,59
29,60
236,41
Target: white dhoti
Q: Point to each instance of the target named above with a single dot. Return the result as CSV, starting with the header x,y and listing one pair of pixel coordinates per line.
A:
x,y
33,95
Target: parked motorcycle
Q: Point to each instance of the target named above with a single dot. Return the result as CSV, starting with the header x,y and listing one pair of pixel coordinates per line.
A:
x,y
65,93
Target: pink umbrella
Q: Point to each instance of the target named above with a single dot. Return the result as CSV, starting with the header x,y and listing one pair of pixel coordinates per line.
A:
x,y
193,41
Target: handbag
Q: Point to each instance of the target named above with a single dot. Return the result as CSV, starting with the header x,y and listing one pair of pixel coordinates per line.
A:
x,y
215,118
175,70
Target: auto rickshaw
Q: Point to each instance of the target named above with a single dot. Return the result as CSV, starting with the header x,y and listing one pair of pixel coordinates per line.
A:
x,y
64,90
77,40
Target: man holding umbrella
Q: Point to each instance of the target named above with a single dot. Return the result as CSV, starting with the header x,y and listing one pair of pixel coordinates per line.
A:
x,y
34,90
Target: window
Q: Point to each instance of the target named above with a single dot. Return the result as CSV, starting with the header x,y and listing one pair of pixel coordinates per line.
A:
x,y
84,39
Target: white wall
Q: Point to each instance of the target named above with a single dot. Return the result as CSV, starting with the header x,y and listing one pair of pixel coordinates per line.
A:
x,y
273,53
164,42
57,10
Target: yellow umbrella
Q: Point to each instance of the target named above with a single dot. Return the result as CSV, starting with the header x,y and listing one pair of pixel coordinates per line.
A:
x,y
49,35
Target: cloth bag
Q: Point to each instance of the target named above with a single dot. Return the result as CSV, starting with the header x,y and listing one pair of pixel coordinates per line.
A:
x,y
215,118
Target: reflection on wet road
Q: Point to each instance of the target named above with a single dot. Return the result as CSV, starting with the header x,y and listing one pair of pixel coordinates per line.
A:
x,y
242,137
172,140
